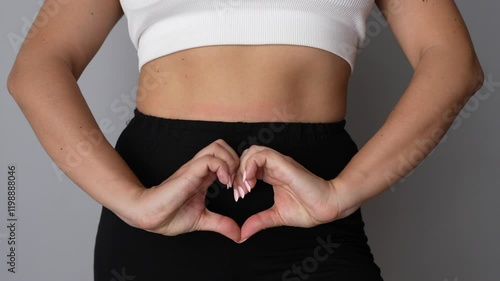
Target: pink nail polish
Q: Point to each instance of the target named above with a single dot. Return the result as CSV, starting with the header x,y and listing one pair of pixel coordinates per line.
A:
x,y
236,194
241,191
231,178
244,176
247,186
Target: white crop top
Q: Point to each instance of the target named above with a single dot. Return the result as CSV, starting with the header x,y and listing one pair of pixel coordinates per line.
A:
x,y
162,27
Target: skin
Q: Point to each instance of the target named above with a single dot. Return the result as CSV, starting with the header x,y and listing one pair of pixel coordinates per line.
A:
x,y
243,83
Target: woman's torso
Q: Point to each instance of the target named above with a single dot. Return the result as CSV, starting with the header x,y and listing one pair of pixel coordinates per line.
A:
x,y
246,83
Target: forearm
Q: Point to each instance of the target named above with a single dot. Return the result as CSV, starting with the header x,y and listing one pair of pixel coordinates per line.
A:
x,y
438,90
49,96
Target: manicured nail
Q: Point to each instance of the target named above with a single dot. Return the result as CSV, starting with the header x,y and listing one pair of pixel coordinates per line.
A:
x,y
244,176
247,186
227,185
241,191
231,179
236,194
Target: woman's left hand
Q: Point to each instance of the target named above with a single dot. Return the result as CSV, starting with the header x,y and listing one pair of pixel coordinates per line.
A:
x,y
301,199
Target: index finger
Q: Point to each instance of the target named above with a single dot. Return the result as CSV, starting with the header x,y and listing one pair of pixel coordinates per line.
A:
x,y
222,150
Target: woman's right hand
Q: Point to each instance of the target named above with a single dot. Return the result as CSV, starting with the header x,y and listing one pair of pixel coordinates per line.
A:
x,y
177,205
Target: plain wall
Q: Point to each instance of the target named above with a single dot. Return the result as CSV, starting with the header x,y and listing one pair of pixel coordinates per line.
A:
x,y
440,223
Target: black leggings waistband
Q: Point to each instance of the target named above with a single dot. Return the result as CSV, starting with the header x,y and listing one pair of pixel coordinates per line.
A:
x,y
243,133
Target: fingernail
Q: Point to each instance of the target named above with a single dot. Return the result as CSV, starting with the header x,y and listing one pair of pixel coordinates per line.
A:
x,y
244,176
247,186
236,194
231,179
241,191
227,185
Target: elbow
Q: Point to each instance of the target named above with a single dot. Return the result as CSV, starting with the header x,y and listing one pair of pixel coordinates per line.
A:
x,y
29,72
13,82
468,76
461,67
476,76
471,73
17,81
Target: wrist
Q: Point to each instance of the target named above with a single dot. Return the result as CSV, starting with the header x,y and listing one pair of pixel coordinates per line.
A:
x,y
346,196
125,203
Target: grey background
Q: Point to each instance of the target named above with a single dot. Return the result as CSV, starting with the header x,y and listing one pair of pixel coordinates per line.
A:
x,y
440,223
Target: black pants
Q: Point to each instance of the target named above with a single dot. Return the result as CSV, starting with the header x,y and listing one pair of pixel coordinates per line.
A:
x,y
154,148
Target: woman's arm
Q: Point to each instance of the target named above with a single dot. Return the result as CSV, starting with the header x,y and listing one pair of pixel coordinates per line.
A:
x,y
43,81
435,39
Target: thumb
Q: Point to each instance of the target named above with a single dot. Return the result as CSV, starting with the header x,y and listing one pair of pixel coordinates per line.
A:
x,y
210,221
266,219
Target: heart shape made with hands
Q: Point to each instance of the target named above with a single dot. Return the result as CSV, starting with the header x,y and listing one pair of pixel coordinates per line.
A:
x,y
301,199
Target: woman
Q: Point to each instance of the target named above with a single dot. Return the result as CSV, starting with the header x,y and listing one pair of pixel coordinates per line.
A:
x,y
239,130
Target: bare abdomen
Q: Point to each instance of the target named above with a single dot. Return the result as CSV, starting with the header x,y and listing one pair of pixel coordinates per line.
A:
x,y
245,83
